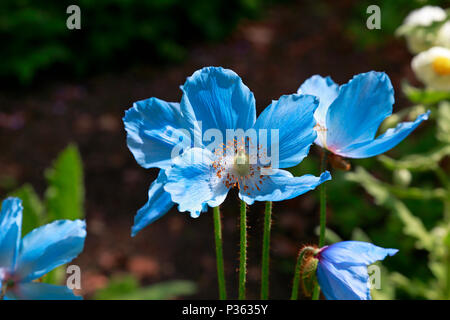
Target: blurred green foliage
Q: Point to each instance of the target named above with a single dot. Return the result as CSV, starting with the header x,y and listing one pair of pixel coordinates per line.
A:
x,y
412,204
35,37
405,203
392,15
63,199
127,288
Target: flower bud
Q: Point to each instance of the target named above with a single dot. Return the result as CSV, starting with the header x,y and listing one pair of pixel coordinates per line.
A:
x,y
402,177
308,272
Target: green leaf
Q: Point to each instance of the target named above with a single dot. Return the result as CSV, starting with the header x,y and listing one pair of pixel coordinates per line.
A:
x,y
443,122
330,236
127,288
417,162
359,235
33,209
424,96
413,226
56,276
65,192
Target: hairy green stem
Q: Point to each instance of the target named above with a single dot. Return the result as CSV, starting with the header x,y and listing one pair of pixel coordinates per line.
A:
x,y
296,281
219,254
266,252
243,252
323,215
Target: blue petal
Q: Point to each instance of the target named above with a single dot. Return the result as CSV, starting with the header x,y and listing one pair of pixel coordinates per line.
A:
x,y
363,103
342,270
192,182
154,127
355,253
384,142
50,246
323,88
41,291
349,283
10,231
281,185
158,204
218,99
293,117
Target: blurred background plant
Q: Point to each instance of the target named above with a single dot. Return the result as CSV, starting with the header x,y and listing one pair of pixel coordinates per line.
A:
x,y
64,199
60,85
112,32
411,191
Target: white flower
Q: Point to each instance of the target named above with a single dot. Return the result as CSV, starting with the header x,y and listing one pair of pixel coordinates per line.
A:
x,y
418,40
425,16
432,67
443,36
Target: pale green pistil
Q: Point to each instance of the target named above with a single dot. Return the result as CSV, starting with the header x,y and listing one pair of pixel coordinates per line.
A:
x,y
241,163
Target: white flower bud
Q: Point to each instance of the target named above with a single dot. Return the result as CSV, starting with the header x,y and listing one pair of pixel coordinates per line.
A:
x,y
432,67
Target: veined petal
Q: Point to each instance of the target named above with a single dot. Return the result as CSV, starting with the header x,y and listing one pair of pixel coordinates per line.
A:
x,y
292,116
218,99
192,182
154,127
323,88
279,186
158,204
41,291
384,142
10,232
354,253
48,247
362,104
337,283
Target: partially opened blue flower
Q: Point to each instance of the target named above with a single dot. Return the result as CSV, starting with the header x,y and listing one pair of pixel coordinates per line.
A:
x,y
348,116
24,260
342,269
196,175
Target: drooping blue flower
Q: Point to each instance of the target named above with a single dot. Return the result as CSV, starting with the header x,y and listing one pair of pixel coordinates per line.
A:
x,y
348,116
24,260
342,269
217,99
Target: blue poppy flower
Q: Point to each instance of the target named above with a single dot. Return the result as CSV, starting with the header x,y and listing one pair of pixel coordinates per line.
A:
x,y
197,175
342,269
39,252
348,116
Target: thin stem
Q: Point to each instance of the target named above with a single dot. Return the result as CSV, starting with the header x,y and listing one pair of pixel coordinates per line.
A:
x,y
266,252
219,254
243,252
447,220
296,281
442,176
323,215
323,202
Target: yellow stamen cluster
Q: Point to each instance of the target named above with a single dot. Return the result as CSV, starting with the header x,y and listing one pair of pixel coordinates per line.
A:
x,y
441,65
238,171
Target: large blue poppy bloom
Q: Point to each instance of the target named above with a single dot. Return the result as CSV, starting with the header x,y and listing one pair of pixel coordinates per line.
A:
x,y
348,116
342,269
216,98
39,252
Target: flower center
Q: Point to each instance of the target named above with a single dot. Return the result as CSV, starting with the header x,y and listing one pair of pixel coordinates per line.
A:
x,y
236,168
321,134
441,65
241,163
8,283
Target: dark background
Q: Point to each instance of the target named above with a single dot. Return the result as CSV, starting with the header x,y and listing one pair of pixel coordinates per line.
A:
x,y
60,86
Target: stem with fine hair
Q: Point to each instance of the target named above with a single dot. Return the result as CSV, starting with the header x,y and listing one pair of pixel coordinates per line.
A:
x,y
219,254
323,215
243,251
296,281
266,252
